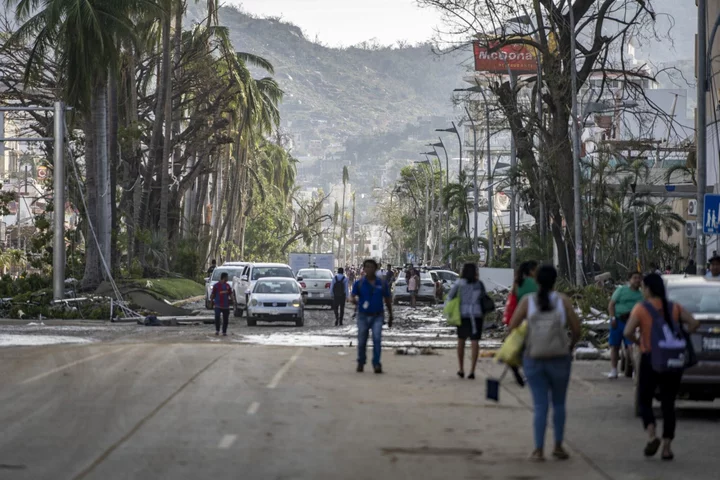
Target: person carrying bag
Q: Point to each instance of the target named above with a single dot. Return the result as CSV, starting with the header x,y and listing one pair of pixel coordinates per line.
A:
x,y
548,315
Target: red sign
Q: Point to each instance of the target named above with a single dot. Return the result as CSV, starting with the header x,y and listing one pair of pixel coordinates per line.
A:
x,y
516,58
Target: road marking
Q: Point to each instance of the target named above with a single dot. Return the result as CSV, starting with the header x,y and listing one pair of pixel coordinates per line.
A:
x,y
253,408
227,441
67,365
281,373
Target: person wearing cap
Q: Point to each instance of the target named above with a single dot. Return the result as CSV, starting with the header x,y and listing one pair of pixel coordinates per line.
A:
x,y
714,271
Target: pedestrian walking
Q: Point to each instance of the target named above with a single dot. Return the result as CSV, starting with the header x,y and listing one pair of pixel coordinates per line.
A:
x,y
547,357
222,298
622,302
471,291
369,293
213,266
413,287
691,268
662,361
523,285
338,291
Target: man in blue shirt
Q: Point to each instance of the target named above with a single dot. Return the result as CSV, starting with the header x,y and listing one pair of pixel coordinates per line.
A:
x,y
369,294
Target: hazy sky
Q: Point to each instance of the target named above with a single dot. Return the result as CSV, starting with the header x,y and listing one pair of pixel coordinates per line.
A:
x,y
348,22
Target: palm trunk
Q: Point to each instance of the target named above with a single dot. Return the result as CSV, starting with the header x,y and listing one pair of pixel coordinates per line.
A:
x,y
167,144
104,221
114,162
93,275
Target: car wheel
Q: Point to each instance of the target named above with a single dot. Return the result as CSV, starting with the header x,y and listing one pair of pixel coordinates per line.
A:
x,y
395,301
300,322
237,312
251,322
208,304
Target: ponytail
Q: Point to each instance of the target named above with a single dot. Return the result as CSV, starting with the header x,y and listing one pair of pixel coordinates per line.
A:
x,y
655,284
546,277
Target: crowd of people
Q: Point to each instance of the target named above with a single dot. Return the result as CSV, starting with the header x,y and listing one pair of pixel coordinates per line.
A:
x,y
641,317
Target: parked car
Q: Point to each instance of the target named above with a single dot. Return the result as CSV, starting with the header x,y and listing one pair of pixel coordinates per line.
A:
x,y
276,299
426,293
250,275
316,282
447,277
212,280
701,297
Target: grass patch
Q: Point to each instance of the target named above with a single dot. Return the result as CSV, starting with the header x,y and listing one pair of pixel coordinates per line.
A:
x,y
172,288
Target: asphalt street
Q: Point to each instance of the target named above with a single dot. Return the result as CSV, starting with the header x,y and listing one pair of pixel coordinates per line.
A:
x,y
199,409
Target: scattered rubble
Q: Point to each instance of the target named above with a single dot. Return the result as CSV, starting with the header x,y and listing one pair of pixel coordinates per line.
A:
x,y
415,351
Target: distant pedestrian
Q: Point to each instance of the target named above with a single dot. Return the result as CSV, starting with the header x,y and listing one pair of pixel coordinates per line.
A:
x,y
470,290
659,321
222,298
413,287
547,356
622,302
369,293
691,268
213,266
523,285
338,291
390,276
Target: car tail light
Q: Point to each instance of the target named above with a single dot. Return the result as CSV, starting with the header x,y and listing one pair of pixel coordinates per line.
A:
x,y
327,285
302,284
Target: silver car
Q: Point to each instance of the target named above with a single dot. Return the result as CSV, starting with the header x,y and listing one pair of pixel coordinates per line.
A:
x,y
316,282
232,271
276,299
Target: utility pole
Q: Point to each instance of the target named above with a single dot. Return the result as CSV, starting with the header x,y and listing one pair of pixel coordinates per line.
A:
x,y
577,198
59,203
513,188
353,229
701,121
475,186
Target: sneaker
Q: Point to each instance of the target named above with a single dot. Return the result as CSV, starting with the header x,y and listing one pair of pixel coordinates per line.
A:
x,y
360,368
377,368
613,374
560,453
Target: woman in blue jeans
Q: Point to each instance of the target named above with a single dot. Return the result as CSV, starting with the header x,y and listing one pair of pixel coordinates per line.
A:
x,y
548,356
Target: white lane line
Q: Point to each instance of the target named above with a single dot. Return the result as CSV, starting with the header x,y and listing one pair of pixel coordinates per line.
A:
x,y
226,441
253,408
281,373
67,365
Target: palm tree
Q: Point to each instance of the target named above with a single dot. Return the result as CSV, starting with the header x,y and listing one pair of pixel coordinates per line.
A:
x,y
87,38
345,180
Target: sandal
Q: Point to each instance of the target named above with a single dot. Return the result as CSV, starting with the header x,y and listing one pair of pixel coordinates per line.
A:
x,y
667,456
471,376
461,374
652,447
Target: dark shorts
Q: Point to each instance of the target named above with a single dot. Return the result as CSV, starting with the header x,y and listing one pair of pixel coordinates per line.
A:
x,y
465,330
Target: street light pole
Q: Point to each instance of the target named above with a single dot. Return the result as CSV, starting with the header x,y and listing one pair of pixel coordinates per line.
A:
x,y
701,118
475,186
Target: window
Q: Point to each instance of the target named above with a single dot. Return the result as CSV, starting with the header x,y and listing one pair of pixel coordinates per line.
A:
x,y
313,273
265,272
696,299
276,287
232,272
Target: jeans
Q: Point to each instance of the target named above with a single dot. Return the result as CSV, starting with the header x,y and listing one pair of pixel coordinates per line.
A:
x,y
225,317
365,323
669,383
339,303
548,379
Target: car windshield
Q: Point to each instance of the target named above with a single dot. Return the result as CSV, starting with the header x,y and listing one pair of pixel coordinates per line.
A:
x,y
276,286
696,298
265,272
314,273
232,272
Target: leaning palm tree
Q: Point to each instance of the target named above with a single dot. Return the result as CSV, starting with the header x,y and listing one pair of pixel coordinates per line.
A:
x,y
86,38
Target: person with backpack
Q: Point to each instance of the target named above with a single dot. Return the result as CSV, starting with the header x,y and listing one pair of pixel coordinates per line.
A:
x,y
663,346
339,291
222,298
548,355
471,291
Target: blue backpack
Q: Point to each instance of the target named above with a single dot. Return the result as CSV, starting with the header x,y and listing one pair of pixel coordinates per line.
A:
x,y
668,344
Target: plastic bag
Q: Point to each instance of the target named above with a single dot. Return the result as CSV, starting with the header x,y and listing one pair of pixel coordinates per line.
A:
x,y
510,352
510,307
452,312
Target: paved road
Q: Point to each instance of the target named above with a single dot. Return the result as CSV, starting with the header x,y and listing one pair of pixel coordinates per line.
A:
x,y
229,410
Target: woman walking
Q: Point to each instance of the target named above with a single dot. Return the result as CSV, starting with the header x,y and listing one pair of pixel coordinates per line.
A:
x,y
659,322
470,290
547,357
523,285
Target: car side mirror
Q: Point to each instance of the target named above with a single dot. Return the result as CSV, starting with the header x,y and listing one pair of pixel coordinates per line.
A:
x,y
207,279
244,278
300,279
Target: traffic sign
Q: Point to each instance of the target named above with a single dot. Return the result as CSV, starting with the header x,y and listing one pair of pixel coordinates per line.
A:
x,y
711,214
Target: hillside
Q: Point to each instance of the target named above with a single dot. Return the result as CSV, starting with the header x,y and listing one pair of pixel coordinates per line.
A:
x,y
333,94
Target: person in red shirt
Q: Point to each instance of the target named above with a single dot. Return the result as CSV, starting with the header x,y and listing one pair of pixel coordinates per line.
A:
x,y
222,298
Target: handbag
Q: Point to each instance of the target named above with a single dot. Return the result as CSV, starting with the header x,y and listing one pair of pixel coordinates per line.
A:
x,y
510,352
452,312
486,302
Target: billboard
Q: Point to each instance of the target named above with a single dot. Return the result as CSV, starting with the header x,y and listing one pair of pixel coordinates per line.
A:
x,y
518,58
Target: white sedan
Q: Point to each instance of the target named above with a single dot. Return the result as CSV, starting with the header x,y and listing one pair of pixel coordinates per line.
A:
x,y
276,299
